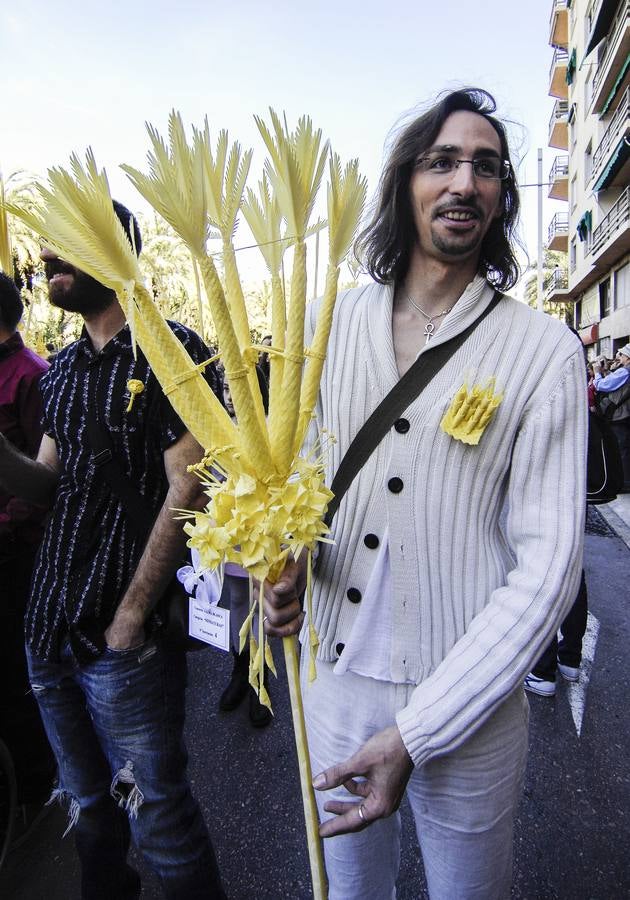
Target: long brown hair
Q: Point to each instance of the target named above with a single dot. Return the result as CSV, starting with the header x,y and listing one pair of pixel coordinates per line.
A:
x,y
385,245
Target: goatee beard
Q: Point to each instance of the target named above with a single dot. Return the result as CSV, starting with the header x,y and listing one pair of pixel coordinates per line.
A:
x,y
86,295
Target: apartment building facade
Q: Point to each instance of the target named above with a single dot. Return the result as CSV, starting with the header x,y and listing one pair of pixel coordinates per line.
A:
x,y
589,81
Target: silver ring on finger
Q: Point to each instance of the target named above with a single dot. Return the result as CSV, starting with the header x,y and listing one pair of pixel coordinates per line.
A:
x,y
265,619
361,813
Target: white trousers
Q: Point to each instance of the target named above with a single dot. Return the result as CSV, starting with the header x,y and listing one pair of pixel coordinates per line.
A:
x,y
463,804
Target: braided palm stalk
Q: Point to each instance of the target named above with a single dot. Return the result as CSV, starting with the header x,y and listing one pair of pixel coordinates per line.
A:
x,y
262,214
225,176
294,168
346,199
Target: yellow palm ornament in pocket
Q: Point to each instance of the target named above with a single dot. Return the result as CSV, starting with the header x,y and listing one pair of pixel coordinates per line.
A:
x,y
470,412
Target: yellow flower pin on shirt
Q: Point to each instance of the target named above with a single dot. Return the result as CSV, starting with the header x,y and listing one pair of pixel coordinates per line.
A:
x,y
134,386
470,412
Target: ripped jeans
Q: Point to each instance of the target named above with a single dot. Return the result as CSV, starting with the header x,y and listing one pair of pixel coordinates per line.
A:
x,y
116,728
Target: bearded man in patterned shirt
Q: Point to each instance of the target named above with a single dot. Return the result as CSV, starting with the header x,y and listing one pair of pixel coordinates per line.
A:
x,y
110,689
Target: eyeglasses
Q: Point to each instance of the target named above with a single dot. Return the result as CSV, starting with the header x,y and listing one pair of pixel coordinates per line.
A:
x,y
483,166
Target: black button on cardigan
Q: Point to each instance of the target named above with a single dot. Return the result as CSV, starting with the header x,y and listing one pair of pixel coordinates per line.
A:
x,y
395,485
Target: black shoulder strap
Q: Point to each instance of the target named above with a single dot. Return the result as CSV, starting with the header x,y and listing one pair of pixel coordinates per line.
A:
x,y
134,504
410,386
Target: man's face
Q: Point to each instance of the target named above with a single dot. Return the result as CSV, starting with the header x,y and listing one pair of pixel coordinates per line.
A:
x,y
625,360
73,290
453,212
227,399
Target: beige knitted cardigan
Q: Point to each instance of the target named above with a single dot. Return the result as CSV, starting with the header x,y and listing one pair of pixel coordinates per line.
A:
x,y
472,606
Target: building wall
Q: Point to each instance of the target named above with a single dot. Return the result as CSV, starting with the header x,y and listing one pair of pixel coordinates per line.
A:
x,y
588,271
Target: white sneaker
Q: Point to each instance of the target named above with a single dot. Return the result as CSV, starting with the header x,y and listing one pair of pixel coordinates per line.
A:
x,y
536,685
569,673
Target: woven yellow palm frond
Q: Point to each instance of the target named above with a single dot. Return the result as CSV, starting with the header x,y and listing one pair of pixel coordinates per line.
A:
x,y
225,176
76,220
258,512
6,255
213,170
175,187
347,191
235,178
295,168
264,217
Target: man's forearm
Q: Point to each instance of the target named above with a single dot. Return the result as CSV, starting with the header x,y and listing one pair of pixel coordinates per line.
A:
x,y
164,548
24,477
162,555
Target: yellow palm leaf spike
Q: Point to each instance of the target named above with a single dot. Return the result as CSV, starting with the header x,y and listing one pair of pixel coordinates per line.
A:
x,y
295,170
175,187
264,218
225,177
6,254
346,200
76,219
175,175
254,441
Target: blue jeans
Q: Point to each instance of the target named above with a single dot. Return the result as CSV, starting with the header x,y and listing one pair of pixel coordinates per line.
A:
x,y
116,728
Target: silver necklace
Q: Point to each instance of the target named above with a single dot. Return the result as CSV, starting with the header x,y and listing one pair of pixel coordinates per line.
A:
x,y
429,327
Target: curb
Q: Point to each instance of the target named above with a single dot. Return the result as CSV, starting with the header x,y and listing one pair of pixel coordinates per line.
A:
x,y
618,525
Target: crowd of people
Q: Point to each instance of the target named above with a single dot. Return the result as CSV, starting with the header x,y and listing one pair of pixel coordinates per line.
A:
x,y
430,611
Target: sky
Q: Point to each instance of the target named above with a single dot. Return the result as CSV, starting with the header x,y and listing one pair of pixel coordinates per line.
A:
x,y
79,74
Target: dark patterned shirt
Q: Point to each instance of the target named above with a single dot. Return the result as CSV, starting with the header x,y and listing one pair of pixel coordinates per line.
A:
x,y
90,549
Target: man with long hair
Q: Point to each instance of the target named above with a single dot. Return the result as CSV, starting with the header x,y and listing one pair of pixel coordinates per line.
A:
x,y
429,613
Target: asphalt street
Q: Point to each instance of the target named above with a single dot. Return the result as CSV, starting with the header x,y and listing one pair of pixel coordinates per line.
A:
x,y
573,827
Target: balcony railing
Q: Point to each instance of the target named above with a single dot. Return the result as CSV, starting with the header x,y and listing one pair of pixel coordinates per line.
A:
x,y
618,216
559,178
558,227
616,126
557,25
557,281
559,116
618,24
560,58
560,168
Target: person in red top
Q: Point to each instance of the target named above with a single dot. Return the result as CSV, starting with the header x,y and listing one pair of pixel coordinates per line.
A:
x,y
20,534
